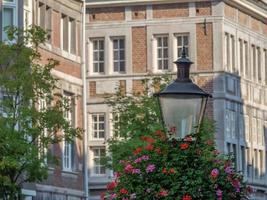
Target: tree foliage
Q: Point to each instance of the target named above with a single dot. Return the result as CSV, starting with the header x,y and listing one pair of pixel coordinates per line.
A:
x,y
27,129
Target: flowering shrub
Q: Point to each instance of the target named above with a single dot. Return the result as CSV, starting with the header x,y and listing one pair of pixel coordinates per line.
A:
x,y
176,169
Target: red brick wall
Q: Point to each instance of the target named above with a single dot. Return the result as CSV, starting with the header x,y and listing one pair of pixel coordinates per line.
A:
x,y
206,83
204,46
139,54
229,12
66,66
264,28
138,12
203,8
170,10
107,14
243,18
92,88
138,87
55,29
255,25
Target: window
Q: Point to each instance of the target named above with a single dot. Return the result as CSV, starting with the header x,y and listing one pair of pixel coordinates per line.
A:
x,y
9,16
259,63
119,54
255,164
226,51
233,66
243,159
230,123
182,41
98,121
253,59
65,32
72,36
68,147
98,153
249,166
41,15
246,59
241,58
43,149
260,135
162,52
261,167
98,55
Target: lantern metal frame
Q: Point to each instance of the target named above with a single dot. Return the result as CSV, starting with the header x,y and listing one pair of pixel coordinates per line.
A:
x,y
184,86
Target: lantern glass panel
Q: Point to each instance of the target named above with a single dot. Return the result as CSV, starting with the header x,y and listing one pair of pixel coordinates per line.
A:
x,y
181,113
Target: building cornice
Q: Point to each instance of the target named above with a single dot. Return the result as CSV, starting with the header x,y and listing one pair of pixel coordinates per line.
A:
x,y
110,3
252,8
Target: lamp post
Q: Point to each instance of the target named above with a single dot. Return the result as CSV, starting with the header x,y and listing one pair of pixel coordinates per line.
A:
x,y
182,102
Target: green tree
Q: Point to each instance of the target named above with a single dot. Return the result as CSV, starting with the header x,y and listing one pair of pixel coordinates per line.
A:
x,y
27,130
135,115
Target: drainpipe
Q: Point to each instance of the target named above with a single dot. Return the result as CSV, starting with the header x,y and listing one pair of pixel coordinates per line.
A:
x,y
84,94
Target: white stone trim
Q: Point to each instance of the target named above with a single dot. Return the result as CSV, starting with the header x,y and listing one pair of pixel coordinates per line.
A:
x,y
66,77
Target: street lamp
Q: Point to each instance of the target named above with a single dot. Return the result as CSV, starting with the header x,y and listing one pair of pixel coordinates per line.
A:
x,y
182,102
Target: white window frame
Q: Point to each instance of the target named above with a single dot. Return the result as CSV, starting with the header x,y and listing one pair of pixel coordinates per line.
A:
x,y
119,61
96,168
98,50
69,22
12,5
67,146
162,59
187,47
97,130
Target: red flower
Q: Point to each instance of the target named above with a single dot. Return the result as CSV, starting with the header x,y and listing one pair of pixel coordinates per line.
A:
x,y
123,191
102,196
172,171
184,146
209,142
187,197
149,147
158,150
137,150
160,134
164,171
147,139
111,186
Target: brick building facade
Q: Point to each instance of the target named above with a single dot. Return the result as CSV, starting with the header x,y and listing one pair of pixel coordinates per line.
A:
x,y
63,21
127,41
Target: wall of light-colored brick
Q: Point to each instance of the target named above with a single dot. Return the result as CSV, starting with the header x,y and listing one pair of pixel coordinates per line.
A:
x,y
139,49
55,29
66,66
107,14
204,46
138,12
203,8
170,10
264,28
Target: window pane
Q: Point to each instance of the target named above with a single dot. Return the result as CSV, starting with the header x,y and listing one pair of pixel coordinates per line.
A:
x,y
180,52
116,55
95,56
159,64
159,42
165,64
65,34
101,135
185,40
101,44
159,53
101,118
73,36
115,44
101,55
7,17
116,66
122,66
101,67
121,55
165,42
179,41
165,53
95,67
121,44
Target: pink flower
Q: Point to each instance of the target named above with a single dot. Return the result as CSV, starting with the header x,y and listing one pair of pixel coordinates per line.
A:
x,y
138,160
113,196
150,168
145,157
219,193
136,171
128,168
163,193
214,173
228,170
